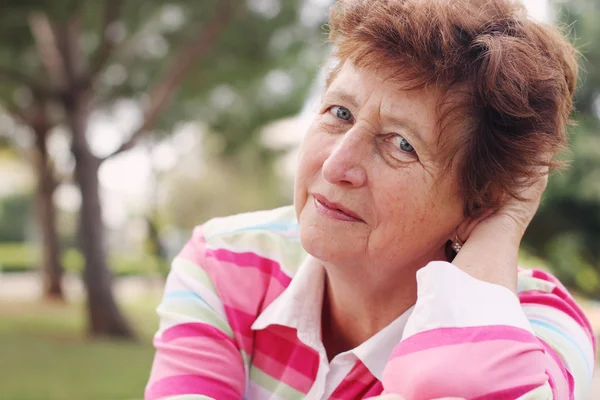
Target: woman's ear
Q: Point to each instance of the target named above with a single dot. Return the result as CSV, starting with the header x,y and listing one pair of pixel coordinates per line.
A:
x,y
464,229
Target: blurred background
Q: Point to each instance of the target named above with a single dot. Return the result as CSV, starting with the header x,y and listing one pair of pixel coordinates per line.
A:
x,y
125,123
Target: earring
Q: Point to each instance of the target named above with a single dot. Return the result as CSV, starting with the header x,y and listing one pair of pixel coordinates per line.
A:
x,y
457,245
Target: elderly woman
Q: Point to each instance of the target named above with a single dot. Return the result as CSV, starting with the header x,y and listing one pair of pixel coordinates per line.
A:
x,y
396,270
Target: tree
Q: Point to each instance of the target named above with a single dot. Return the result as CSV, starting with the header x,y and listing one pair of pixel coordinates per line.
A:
x,y
64,55
566,230
36,117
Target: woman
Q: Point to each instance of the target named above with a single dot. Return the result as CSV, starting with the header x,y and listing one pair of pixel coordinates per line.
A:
x,y
432,145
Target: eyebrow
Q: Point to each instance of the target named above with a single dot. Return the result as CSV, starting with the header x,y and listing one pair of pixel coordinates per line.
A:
x,y
343,96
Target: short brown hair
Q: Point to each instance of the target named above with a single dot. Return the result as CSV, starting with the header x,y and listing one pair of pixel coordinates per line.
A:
x,y
507,81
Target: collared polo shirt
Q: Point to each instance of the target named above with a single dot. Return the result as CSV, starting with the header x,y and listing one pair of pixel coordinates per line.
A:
x,y
240,319
299,307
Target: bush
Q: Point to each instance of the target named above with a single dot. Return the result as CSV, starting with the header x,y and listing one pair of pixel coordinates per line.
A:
x,y
17,257
23,257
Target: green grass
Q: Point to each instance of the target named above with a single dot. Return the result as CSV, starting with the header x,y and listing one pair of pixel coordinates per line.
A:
x,y
44,354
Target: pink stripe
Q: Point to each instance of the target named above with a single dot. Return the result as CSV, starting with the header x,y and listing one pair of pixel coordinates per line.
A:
x,y
195,248
281,372
452,336
274,290
202,356
467,370
560,379
242,281
196,251
191,384
251,260
563,293
510,393
242,289
281,344
358,384
375,388
552,301
193,329
241,324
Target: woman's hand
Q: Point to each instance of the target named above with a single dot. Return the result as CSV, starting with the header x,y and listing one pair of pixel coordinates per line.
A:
x,y
519,213
491,251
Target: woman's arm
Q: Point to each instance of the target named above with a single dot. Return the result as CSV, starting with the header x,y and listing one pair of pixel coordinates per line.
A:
x,y
470,336
472,339
197,356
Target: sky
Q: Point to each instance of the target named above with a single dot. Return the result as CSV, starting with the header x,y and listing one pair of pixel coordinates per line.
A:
x,y
538,9
126,180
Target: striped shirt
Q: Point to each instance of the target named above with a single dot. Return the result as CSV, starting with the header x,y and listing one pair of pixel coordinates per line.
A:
x,y
235,325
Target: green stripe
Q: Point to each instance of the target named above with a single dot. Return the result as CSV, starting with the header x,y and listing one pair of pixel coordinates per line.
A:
x,y
245,357
530,283
195,272
223,225
274,386
179,311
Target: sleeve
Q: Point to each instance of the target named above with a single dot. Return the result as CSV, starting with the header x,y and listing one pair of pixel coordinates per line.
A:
x,y
474,340
197,356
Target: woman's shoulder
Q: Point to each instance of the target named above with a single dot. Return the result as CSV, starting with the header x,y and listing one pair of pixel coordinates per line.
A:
x,y
280,221
260,237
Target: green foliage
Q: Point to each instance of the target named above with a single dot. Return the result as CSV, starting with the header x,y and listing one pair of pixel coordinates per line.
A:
x,y
566,230
258,70
242,183
15,217
228,89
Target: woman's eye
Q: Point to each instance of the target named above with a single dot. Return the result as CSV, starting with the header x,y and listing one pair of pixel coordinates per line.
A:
x,y
341,113
402,144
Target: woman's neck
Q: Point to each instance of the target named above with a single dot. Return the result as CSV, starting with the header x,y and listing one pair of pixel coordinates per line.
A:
x,y
356,307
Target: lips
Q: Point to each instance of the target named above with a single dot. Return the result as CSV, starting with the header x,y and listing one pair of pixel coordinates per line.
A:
x,y
335,210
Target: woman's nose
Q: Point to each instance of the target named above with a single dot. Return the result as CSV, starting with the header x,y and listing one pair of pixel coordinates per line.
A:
x,y
344,165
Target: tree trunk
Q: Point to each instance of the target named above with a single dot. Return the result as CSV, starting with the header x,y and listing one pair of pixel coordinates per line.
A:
x,y
52,268
105,319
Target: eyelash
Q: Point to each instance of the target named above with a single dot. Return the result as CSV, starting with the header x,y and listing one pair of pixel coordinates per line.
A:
x,y
388,138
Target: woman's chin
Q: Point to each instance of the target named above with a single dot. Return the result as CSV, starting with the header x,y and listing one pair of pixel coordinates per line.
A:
x,y
329,245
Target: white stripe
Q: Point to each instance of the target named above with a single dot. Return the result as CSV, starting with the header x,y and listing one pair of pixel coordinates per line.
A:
x,y
186,275
563,322
224,225
569,355
528,282
543,392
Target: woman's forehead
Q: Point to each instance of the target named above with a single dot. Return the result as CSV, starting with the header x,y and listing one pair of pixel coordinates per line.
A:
x,y
356,85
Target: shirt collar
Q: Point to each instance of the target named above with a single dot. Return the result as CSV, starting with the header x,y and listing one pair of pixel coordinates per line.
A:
x,y
299,307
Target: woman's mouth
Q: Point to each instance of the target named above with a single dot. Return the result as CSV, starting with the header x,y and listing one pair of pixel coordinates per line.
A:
x,y
334,210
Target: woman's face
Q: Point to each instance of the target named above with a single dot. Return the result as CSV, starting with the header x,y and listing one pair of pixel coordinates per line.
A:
x,y
369,188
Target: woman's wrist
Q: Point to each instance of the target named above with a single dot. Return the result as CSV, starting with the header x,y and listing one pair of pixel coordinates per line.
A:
x,y
491,252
